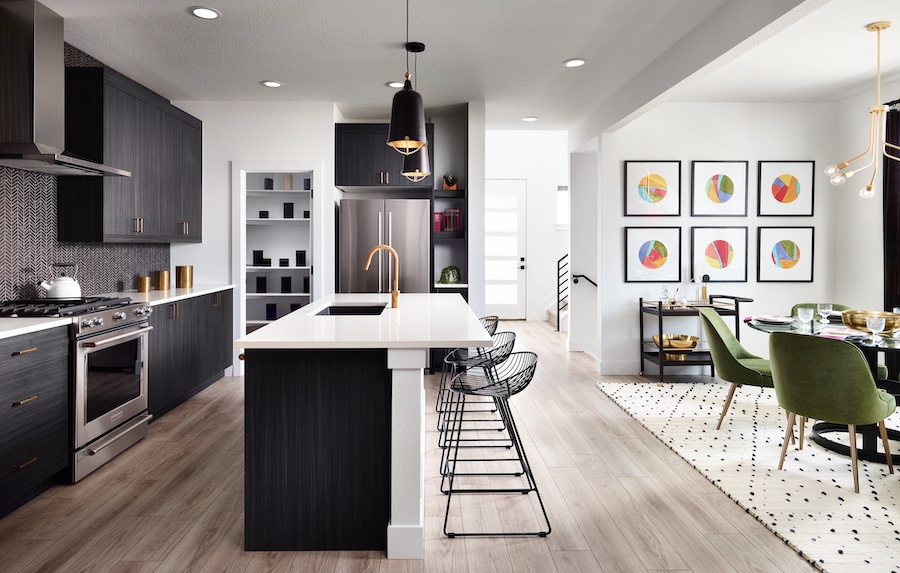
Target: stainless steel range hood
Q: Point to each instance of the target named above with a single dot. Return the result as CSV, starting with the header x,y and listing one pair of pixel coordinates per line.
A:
x,y
33,92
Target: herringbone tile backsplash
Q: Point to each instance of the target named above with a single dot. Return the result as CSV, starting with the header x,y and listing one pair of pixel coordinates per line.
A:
x,y
28,245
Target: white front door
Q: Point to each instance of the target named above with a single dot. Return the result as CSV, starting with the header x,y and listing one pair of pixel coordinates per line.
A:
x,y
505,268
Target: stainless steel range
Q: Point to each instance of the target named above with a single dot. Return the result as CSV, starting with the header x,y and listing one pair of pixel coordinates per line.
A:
x,y
109,373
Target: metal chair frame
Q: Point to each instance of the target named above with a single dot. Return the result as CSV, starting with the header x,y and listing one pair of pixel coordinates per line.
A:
x,y
500,381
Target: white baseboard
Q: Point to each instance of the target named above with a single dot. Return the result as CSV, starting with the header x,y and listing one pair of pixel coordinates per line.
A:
x,y
405,542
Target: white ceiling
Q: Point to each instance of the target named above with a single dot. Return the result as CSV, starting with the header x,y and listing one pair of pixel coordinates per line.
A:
x,y
506,53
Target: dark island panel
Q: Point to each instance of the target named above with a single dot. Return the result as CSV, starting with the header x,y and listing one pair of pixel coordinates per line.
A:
x,y
317,449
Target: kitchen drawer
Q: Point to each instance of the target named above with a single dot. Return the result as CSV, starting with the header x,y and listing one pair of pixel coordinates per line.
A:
x,y
37,455
34,402
30,350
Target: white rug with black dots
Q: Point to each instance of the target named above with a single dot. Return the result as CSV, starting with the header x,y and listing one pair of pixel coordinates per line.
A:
x,y
810,504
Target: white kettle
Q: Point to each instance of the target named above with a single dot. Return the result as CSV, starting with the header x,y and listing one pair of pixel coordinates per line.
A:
x,y
62,286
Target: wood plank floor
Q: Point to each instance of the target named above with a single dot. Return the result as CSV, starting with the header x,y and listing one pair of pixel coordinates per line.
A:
x,y
619,500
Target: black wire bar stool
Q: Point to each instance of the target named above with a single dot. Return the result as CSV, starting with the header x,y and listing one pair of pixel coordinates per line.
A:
x,y
500,382
486,360
457,356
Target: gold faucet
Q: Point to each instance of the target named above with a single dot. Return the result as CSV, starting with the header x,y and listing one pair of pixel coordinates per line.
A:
x,y
395,294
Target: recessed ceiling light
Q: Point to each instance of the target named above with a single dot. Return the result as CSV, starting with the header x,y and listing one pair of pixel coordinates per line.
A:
x,y
271,84
573,63
394,84
530,118
205,13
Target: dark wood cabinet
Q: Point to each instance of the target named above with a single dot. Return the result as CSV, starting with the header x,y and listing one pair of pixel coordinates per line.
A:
x,y
362,157
190,348
34,414
111,120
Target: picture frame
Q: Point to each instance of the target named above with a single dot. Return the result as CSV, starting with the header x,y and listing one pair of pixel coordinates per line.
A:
x,y
785,254
653,254
786,188
720,252
719,188
652,188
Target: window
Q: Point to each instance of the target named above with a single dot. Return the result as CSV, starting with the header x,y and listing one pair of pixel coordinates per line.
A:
x,y
562,207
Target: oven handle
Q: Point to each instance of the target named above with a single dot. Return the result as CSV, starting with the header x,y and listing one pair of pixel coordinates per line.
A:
x,y
113,339
119,433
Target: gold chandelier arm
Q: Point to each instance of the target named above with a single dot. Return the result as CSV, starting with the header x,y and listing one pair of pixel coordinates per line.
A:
x,y
868,149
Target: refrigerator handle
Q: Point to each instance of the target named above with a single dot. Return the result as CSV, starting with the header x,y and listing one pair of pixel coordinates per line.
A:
x,y
390,243
380,242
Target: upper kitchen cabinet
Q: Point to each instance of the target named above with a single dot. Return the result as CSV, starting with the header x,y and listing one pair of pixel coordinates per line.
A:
x,y
362,157
110,119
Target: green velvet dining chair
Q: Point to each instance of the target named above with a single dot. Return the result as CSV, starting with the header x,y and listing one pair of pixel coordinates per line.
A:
x,y
732,361
882,371
828,380
813,305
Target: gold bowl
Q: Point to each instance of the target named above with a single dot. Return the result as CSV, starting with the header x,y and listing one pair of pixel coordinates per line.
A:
x,y
856,319
676,343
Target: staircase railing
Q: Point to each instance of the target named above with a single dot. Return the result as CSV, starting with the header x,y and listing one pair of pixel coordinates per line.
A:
x,y
562,286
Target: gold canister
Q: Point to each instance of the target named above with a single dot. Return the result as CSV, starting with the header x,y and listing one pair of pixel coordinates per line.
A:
x,y
143,284
162,280
184,276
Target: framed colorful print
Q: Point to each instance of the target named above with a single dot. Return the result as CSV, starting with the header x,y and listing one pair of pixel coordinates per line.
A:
x,y
652,254
720,252
653,188
786,188
785,254
719,188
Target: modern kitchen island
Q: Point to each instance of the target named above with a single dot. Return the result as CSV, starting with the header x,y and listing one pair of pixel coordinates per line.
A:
x,y
334,430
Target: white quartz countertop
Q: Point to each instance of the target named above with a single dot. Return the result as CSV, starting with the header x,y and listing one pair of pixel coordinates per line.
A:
x,y
156,297
421,321
10,327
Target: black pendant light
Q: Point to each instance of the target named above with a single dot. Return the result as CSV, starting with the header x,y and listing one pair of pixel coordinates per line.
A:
x,y
416,167
407,130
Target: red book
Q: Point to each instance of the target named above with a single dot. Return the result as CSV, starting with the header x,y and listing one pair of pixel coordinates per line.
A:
x,y
438,222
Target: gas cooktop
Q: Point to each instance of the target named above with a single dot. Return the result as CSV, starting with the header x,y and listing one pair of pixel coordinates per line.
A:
x,y
48,307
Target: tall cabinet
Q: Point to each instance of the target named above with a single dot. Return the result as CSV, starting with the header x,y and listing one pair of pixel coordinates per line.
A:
x,y
274,257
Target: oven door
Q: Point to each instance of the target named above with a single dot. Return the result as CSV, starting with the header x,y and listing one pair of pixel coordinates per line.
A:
x,y
110,381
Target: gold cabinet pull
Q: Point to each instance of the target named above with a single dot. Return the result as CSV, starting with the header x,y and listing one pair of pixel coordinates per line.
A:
x,y
25,464
26,351
24,401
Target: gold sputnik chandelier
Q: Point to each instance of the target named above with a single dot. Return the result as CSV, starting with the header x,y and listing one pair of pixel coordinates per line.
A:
x,y
839,173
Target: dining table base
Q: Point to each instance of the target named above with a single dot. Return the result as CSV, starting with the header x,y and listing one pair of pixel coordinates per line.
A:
x,y
869,451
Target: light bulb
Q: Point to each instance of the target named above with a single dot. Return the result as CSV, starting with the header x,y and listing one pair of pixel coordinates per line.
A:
x,y
866,192
838,179
831,170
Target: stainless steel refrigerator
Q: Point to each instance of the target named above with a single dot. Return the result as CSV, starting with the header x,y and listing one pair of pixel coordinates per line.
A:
x,y
404,224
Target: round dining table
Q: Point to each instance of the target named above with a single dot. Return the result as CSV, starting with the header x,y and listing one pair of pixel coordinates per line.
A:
x,y
836,329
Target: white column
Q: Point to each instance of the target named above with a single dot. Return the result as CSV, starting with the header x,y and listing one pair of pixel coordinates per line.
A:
x,y
406,529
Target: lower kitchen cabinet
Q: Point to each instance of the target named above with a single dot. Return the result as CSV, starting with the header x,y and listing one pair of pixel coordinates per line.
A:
x,y
190,348
34,414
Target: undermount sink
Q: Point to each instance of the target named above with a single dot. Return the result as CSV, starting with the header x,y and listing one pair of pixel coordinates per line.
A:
x,y
352,310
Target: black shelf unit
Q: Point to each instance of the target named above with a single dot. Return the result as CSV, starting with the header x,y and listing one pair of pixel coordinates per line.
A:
x,y
725,305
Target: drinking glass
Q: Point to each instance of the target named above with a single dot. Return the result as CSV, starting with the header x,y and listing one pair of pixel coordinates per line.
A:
x,y
805,315
824,311
876,325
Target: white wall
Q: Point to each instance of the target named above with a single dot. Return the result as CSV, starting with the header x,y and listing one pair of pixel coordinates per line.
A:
x,y
541,158
584,249
719,131
235,131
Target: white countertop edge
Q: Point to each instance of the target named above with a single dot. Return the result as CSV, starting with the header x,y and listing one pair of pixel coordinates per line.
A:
x,y
10,327
358,345
157,297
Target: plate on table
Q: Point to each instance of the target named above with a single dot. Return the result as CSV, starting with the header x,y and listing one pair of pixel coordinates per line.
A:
x,y
774,319
843,331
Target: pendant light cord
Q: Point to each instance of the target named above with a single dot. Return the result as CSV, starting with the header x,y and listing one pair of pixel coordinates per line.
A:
x,y
406,47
